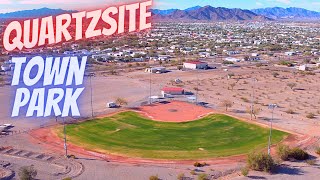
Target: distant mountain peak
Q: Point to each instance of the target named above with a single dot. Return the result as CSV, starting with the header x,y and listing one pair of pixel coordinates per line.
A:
x,y
209,14
288,13
34,13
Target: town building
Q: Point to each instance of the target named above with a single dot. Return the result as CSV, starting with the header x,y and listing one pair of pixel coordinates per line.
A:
x,y
195,65
172,91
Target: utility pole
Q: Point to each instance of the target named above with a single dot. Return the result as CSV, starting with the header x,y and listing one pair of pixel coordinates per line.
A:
x,y
252,98
197,92
150,100
65,138
272,107
91,101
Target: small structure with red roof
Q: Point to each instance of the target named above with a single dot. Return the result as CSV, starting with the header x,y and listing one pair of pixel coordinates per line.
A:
x,y
172,91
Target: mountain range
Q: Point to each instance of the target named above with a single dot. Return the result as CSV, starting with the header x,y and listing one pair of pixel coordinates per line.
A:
x,y
33,13
196,13
209,13
287,13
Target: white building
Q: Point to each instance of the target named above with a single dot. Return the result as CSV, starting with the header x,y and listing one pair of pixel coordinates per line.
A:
x,y
231,59
290,53
307,67
204,54
157,70
195,65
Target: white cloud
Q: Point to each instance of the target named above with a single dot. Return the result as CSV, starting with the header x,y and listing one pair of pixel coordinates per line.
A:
x,y
259,3
284,1
2,2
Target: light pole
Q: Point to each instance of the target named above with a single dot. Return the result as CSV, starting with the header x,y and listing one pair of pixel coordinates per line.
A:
x,y
65,138
91,101
252,103
197,90
272,107
150,100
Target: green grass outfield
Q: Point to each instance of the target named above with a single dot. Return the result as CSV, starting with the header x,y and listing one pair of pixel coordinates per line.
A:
x,y
132,135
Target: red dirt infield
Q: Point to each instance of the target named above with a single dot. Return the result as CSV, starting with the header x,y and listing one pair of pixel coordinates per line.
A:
x,y
174,111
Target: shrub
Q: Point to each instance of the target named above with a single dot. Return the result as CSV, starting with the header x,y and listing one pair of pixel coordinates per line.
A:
x,y
245,171
27,173
260,162
289,111
193,172
198,164
72,156
154,177
283,152
244,99
298,154
310,116
181,176
318,150
275,74
311,162
203,176
68,178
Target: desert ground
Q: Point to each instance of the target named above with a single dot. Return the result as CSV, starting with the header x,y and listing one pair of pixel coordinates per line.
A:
x,y
213,86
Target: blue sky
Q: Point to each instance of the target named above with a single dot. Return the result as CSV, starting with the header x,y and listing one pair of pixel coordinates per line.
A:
x,y
14,5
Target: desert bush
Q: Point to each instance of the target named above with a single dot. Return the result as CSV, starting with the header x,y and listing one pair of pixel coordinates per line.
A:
x,y
311,162
283,152
289,111
227,104
203,176
244,99
198,164
275,74
318,150
245,171
27,173
193,172
310,116
68,178
154,177
260,162
72,156
181,176
298,154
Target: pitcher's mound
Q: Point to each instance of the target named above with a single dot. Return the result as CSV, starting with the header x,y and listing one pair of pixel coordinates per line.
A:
x,y
174,111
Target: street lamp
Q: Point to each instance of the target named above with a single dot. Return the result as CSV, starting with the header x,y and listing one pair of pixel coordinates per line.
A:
x,y
272,107
65,138
91,100
150,85
252,100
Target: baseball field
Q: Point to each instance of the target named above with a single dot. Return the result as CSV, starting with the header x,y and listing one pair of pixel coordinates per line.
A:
x,y
133,135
